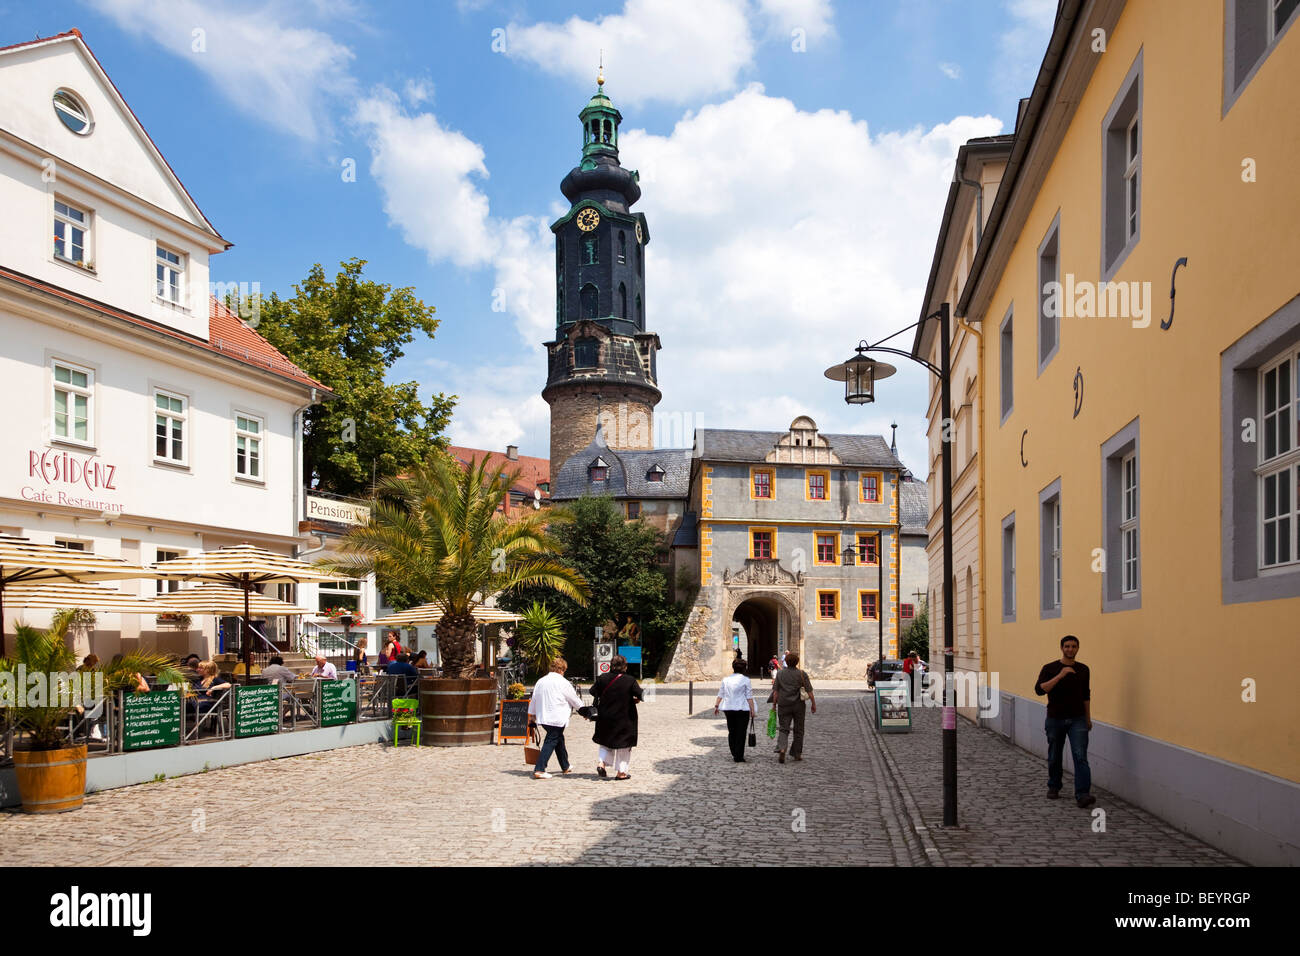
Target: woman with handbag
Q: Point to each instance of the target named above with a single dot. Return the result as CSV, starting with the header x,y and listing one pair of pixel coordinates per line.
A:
x,y
791,689
736,699
615,697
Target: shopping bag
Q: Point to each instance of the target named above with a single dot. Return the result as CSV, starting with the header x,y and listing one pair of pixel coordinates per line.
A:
x,y
753,737
533,747
771,722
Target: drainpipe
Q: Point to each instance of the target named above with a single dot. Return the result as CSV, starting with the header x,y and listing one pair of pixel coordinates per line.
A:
x,y
979,206
964,322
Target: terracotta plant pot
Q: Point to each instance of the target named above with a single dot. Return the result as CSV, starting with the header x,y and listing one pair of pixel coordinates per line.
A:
x,y
51,781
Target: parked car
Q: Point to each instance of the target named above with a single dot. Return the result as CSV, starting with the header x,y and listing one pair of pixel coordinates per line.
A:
x,y
886,670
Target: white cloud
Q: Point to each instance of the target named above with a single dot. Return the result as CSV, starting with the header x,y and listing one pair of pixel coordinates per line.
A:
x,y
418,92
427,174
288,76
812,16
950,70
671,51
1022,44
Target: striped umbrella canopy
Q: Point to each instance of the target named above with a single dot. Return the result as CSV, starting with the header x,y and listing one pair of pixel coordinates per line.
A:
x,y
222,599
26,562
92,597
433,613
244,566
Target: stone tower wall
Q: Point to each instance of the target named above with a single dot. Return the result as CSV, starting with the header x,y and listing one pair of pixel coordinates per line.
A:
x,y
628,418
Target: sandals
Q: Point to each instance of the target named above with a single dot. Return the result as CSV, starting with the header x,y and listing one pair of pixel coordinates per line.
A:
x,y
623,776
600,770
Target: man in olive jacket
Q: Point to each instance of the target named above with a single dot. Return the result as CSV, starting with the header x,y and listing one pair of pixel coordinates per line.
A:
x,y
789,707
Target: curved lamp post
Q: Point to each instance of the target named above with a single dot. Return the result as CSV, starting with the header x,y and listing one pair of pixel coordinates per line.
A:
x,y
859,375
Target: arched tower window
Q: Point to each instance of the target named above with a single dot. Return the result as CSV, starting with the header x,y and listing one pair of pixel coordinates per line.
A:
x,y
559,283
640,314
622,247
590,251
585,353
590,301
622,301
640,254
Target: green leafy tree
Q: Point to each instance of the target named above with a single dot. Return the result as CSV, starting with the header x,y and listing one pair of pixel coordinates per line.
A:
x,y
917,636
436,535
618,559
539,636
346,334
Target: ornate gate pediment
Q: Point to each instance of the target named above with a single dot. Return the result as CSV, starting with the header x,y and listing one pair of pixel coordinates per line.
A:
x,y
766,572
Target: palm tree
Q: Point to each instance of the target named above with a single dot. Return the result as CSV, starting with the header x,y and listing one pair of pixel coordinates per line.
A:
x,y
438,535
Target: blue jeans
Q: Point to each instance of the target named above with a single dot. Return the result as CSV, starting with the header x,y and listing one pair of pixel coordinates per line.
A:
x,y
1075,728
554,743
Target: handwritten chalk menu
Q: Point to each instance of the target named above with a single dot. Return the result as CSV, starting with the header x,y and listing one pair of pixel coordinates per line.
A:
x,y
151,720
514,720
257,710
338,702
893,713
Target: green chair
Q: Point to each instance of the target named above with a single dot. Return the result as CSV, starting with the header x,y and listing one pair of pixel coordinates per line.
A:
x,y
405,714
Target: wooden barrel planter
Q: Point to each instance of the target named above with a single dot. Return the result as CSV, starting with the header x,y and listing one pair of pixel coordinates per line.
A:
x,y
457,712
51,781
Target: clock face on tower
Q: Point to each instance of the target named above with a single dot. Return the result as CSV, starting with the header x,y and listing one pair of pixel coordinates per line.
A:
x,y
588,219
639,236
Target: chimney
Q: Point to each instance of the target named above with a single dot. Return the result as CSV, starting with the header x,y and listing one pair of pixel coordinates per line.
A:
x,y
512,452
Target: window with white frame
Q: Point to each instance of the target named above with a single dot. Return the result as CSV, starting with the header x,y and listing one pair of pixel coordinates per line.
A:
x,y
248,447
1279,463
170,414
338,595
1050,562
71,233
70,544
172,585
74,403
169,275
1121,194
1128,528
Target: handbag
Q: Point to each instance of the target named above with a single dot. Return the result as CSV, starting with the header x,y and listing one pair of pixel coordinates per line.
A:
x,y
803,690
771,722
592,711
753,737
533,746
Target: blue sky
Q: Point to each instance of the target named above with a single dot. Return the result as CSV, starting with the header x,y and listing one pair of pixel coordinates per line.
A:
x,y
794,155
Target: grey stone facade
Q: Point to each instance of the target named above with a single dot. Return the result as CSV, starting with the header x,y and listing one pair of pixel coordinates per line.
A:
x,y
771,553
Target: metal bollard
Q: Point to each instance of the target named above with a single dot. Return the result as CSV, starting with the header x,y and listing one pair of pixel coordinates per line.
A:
x,y
690,698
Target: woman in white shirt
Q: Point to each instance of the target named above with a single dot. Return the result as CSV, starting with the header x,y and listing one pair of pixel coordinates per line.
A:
x,y
736,699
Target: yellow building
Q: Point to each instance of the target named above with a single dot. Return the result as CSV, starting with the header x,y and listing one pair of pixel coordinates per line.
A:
x,y
1140,455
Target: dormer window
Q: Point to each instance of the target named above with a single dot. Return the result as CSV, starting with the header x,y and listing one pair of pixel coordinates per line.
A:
x,y
585,353
72,113
71,233
655,474
598,470
169,273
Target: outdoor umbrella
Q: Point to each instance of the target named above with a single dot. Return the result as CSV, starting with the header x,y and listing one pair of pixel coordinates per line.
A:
x,y
243,566
26,562
91,597
222,599
432,614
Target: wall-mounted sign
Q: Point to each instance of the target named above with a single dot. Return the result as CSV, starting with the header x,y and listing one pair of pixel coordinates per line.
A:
x,y
58,477
338,512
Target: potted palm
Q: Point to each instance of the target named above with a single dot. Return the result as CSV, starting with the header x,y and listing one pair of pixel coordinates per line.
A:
x,y
437,534
539,637
50,768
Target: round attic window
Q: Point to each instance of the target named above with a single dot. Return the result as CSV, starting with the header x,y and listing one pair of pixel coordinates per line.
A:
x,y
73,113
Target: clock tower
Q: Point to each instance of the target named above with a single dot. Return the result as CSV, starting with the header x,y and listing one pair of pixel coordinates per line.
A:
x,y
601,364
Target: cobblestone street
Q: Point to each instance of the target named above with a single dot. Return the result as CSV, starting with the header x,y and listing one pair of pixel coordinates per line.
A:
x,y
687,803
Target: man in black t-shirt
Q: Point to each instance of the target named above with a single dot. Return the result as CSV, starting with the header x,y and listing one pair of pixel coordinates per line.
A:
x,y
1069,715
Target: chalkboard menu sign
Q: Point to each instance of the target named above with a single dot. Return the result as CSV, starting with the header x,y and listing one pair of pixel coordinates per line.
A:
x,y
338,702
151,720
893,712
513,724
257,710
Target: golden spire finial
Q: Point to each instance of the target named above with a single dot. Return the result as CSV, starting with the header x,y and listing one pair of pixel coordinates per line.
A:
x,y
600,73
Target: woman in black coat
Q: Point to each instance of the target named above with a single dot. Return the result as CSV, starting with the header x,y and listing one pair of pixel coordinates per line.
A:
x,y
615,695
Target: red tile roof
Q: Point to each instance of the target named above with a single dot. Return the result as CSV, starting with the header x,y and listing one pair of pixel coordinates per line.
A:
x,y
228,336
533,471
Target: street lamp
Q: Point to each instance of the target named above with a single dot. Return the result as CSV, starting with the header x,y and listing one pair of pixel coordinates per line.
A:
x,y
859,375
850,554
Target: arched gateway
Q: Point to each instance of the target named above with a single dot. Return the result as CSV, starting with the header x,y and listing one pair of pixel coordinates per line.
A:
x,y
764,599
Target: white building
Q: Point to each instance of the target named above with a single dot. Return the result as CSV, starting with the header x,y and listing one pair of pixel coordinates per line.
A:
x,y
143,420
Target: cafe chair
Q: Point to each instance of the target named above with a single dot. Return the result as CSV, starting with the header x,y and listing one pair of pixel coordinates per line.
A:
x,y
405,714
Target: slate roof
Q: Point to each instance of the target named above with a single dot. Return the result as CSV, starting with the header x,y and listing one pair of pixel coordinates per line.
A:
x,y
627,473
913,507
722,444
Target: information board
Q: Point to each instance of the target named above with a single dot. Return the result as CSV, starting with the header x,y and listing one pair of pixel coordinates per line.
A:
x,y
338,702
631,654
893,711
151,720
513,724
257,710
